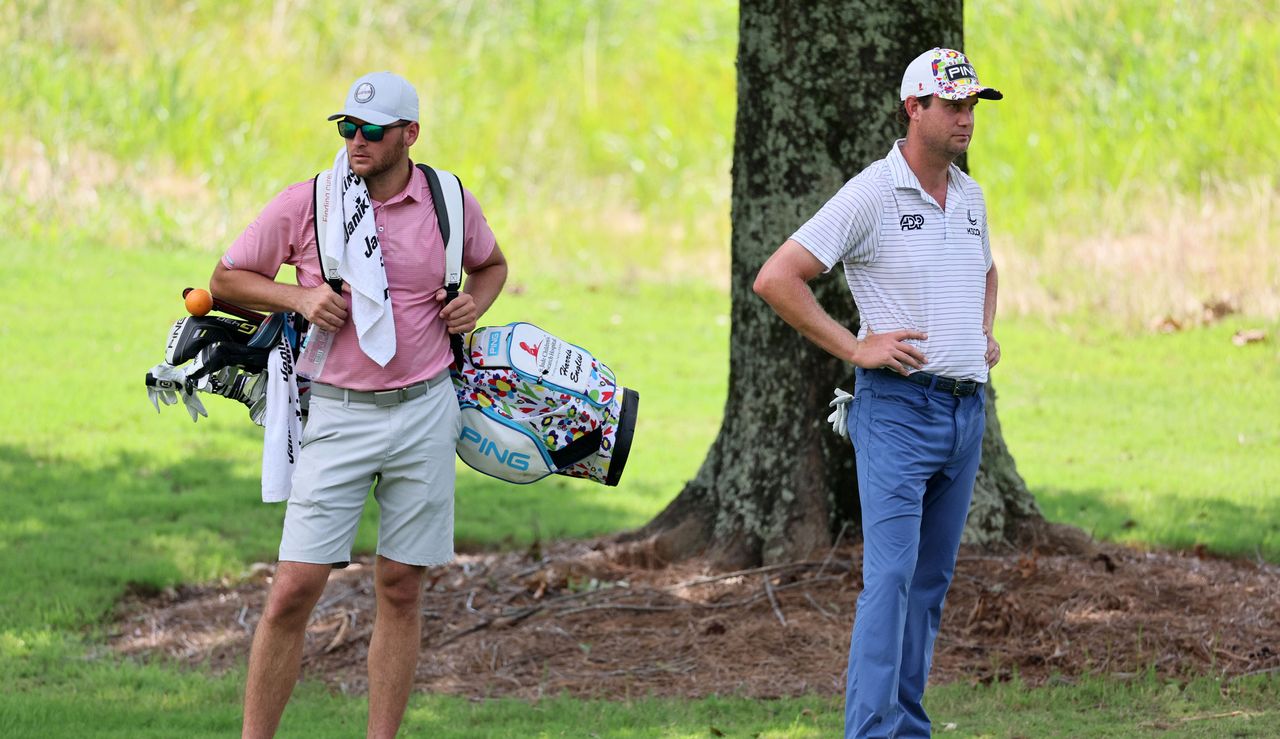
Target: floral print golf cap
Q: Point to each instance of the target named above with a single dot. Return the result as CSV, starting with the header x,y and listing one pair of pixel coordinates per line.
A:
x,y
946,73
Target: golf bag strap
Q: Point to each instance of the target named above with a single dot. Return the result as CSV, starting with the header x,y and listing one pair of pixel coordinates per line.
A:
x,y
446,194
578,449
323,197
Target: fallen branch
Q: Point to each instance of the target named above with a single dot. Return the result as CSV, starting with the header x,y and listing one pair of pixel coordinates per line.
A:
x,y
1254,673
821,611
348,621
831,552
1206,717
745,573
768,590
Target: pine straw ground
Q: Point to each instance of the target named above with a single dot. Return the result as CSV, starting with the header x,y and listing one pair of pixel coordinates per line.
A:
x,y
592,619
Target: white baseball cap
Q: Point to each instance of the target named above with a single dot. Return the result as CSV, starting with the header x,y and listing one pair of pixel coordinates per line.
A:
x,y
380,98
946,73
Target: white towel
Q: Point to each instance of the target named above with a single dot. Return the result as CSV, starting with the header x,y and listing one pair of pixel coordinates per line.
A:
x,y
351,241
282,433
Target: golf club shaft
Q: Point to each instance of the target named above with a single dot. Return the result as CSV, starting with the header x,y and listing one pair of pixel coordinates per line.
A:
x,y
232,309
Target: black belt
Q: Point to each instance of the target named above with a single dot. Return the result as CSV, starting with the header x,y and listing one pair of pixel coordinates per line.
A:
x,y
380,398
958,388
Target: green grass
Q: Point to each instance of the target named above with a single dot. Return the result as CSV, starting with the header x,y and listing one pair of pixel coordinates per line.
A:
x,y
179,142
582,125
1160,439
1096,707
69,694
103,492
1129,169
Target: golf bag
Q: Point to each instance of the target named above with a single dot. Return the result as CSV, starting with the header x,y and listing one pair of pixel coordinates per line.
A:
x,y
534,404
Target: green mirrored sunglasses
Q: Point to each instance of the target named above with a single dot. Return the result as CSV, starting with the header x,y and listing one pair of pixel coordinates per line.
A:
x,y
371,132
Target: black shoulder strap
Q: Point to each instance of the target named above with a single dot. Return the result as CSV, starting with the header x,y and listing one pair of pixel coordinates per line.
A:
x,y
335,283
437,197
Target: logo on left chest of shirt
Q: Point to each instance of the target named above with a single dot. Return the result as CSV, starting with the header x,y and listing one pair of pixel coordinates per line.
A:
x,y
973,221
912,222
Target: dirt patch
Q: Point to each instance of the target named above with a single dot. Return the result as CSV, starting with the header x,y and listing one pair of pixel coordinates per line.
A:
x,y
582,619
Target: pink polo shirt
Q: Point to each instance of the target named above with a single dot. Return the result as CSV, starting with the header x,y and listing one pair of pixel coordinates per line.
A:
x,y
413,252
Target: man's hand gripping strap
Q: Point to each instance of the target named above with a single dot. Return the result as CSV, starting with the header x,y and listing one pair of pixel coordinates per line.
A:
x,y
446,195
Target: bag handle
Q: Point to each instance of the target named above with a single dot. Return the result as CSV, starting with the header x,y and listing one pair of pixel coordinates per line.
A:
x,y
446,194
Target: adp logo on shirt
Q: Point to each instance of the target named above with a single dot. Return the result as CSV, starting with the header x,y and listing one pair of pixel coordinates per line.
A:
x,y
912,222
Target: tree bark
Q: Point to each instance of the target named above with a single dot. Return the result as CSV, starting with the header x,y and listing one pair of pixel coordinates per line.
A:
x,y
817,92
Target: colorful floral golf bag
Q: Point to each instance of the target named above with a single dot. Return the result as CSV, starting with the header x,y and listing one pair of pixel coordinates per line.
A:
x,y
534,404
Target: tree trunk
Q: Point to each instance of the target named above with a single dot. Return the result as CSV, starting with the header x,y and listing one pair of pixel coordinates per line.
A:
x,y
817,93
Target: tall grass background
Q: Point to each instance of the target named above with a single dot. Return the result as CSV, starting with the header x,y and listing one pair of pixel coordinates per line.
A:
x,y
168,124
1130,169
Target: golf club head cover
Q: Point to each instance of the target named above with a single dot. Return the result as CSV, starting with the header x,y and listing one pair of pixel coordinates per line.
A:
x,y
193,333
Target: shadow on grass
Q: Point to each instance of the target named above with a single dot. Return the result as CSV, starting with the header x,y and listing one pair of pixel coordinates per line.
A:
x,y
1210,524
494,514
76,535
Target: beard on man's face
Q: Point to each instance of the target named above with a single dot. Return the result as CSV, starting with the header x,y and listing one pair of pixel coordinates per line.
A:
x,y
383,156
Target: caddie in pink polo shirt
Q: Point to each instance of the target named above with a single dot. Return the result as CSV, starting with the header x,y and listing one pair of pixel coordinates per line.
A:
x,y
390,330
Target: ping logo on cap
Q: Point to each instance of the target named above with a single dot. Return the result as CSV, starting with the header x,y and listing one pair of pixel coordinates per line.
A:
x,y
961,74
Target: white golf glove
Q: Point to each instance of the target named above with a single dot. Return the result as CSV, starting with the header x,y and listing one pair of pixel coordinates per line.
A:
x,y
166,383
839,417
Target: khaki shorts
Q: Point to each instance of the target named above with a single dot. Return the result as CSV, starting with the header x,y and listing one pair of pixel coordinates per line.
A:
x,y
406,449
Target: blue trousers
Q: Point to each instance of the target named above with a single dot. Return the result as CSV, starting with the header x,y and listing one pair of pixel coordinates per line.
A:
x,y
918,450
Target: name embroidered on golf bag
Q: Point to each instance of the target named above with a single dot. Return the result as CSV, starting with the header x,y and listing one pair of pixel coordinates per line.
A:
x,y
534,404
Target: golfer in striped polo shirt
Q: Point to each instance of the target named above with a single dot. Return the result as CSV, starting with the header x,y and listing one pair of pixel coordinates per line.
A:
x,y
911,230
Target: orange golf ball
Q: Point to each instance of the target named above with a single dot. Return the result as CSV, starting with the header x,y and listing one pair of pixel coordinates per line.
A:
x,y
199,302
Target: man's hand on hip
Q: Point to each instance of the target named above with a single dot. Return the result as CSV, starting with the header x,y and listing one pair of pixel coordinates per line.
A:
x,y
323,307
890,350
993,351
460,314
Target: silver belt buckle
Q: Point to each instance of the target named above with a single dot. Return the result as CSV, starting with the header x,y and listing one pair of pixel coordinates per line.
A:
x,y
388,398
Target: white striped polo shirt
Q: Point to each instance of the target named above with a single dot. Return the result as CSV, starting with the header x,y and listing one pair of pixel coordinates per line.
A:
x,y
909,264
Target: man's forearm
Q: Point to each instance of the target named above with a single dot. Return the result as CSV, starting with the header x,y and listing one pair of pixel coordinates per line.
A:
x,y
794,303
484,285
989,302
252,290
